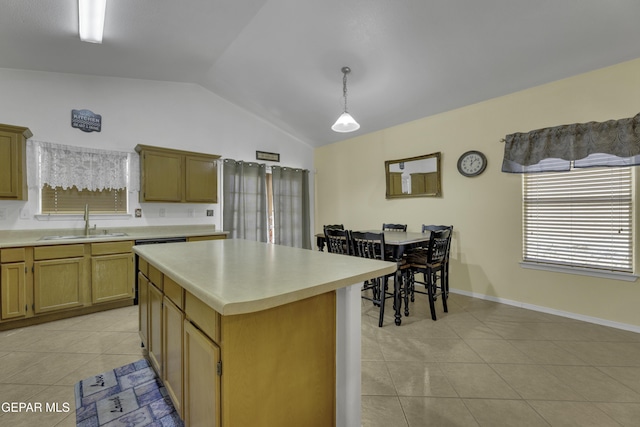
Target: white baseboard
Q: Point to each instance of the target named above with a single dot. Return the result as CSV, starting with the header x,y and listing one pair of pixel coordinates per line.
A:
x,y
596,320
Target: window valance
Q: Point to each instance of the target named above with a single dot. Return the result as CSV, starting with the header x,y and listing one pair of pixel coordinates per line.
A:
x,y
65,166
610,143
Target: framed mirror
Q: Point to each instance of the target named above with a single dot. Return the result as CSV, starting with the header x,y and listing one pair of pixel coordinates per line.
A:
x,y
413,177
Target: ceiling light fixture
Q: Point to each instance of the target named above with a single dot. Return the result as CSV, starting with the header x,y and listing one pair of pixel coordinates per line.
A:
x,y
91,20
345,122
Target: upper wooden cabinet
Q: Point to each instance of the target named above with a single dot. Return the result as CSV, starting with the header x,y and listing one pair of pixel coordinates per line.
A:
x,y
13,162
168,175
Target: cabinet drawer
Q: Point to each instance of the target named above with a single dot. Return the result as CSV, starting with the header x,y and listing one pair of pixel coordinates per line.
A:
x,y
57,252
206,318
106,248
143,266
13,255
155,276
174,292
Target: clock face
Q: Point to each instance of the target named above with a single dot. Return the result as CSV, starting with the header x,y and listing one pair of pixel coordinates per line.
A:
x,y
472,163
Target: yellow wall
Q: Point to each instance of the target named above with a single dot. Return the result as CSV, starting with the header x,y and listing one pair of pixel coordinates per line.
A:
x,y
486,211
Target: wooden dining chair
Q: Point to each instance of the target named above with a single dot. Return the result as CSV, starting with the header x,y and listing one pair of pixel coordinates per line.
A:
x,y
445,271
371,245
337,241
394,227
431,263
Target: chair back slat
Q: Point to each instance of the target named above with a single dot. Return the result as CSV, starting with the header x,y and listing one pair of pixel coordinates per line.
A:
x,y
337,241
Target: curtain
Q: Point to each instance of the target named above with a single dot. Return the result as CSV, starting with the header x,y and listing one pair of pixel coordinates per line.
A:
x,y
244,193
86,168
610,143
291,219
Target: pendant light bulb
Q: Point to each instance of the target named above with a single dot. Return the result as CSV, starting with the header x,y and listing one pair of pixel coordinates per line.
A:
x,y
345,123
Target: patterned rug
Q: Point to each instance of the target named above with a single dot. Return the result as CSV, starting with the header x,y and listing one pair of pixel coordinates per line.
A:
x,y
130,396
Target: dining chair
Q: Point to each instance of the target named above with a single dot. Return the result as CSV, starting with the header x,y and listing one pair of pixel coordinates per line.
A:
x,y
337,241
371,245
445,271
394,227
431,263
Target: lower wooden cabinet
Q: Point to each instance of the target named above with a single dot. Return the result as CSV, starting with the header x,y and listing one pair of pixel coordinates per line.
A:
x,y
143,309
201,379
13,290
172,319
111,277
154,338
57,284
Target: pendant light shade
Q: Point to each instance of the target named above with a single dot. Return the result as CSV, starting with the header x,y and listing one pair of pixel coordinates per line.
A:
x,y
345,122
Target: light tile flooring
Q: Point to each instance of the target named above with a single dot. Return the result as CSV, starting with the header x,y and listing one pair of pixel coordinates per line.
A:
x,y
482,364
490,364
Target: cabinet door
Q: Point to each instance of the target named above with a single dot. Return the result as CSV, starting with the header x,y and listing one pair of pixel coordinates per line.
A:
x,y
172,319
201,179
10,178
201,379
111,277
12,285
57,284
143,309
161,177
154,339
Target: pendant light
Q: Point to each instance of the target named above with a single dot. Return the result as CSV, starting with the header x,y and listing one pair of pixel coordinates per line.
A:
x,y
345,122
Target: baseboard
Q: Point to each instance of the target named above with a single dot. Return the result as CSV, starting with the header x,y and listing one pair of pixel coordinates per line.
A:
x,y
590,319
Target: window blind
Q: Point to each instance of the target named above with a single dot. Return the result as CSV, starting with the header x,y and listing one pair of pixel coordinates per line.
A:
x,y
56,200
581,218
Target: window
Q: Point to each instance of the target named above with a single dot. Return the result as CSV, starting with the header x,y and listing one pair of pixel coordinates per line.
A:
x,y
581,218
71,200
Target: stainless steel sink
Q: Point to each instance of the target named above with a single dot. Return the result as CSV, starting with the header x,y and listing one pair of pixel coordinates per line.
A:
x,y
92,236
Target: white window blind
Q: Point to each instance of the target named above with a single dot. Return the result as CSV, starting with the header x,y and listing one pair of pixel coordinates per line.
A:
x,y
581,218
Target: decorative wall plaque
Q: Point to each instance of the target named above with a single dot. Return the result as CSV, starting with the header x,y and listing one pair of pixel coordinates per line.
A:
x,y
86,120
263,155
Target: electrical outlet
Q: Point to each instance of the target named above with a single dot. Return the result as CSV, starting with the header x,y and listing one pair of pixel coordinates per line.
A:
x,y
162,212
209,212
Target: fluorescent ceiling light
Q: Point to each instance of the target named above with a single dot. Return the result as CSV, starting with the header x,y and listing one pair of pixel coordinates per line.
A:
x,y
91,17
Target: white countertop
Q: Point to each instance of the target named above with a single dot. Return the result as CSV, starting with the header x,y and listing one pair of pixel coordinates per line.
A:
x,y
237,276
17,238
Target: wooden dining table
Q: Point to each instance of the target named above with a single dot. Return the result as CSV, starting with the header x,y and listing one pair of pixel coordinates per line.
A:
x,y
398,242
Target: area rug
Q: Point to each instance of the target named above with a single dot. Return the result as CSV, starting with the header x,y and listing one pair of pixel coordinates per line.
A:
x,y
130,396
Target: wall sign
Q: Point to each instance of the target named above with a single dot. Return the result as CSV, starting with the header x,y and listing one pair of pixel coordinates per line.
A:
x,y
263,155
86,120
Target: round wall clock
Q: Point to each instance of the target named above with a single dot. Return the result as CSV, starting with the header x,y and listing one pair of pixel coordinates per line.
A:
x,y
472,163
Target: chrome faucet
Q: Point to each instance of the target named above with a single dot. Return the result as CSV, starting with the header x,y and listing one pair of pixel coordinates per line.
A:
x,y
86,219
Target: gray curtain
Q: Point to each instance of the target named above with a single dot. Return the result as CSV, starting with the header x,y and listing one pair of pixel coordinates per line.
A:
x,y
244,193
610,143
291,207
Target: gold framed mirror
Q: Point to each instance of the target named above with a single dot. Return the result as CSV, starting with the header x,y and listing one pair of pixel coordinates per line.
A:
x,y
413,177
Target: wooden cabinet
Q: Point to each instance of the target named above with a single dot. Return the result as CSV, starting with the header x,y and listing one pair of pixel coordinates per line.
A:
x,y
111,271
143,309
13,162
154,337
172,320
201,379
13,277
58,277
177,176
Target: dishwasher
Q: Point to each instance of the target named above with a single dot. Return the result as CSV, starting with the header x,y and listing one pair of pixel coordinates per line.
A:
x,y
153,241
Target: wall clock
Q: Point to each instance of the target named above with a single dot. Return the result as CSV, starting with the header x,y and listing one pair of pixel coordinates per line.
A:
x,y
472,163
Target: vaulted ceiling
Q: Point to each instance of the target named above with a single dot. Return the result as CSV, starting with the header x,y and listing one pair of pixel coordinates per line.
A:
x,y
281,59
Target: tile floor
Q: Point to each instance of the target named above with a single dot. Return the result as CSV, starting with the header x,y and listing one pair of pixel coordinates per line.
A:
x,y
490,364
482,364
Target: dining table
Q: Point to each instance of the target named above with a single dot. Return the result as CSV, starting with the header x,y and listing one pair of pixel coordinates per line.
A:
x,y
398,242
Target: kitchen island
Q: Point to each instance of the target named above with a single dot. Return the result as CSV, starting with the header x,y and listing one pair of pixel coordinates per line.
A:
x,y
252,334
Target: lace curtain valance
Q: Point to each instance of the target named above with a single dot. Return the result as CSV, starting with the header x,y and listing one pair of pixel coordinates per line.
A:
x,y
65,166
610,143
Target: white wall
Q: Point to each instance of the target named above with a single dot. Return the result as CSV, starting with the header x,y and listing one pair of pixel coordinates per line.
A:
x,y
175,115
486,211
